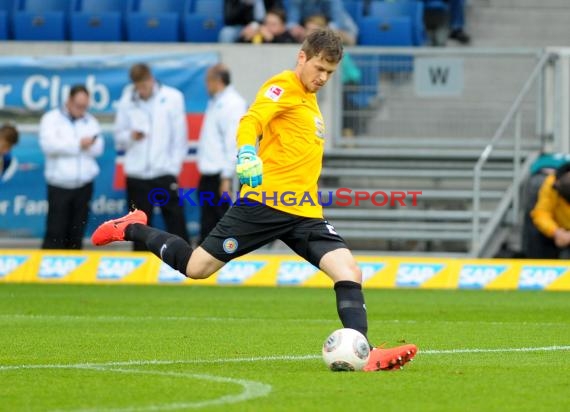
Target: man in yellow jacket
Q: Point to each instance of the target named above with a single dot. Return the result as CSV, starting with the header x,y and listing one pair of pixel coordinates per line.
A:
x,y
551,218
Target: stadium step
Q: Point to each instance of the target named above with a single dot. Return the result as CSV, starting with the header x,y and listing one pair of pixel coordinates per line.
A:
x,y
420,235
403,230
364,146
505,23
379,213
466,195
444,153
423,173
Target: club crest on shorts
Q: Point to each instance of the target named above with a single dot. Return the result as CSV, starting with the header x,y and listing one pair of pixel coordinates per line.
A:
x,y
230,245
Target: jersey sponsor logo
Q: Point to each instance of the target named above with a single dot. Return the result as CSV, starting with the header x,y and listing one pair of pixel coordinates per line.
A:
x,y
230,245
274,93
369,270
8,264
319,127
58,267
295,273
416,274
168,274
479,276
539,277
117,268
238,272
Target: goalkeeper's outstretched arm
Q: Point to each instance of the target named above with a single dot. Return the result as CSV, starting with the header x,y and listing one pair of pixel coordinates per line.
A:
x,y
249,167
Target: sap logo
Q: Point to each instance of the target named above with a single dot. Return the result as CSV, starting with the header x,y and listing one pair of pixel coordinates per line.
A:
x,y
117,268
295,273
238,272
57,267
416,274
370,269
478,276
8,264
539,277
167,274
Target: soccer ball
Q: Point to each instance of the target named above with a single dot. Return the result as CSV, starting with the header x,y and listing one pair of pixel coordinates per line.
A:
x,y
346,350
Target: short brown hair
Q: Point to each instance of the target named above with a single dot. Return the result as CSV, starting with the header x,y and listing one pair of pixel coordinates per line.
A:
x,y
324,41
279,12
221,72
140,72
9,133
77,88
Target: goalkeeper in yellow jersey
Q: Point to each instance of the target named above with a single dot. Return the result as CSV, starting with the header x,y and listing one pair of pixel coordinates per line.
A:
x,y
280,151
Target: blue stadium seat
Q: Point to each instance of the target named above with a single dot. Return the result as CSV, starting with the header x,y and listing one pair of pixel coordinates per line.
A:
x,y
202,29
386,31
405,8
97,20
155,20
207,7
369,82
6,7
40,19
203,21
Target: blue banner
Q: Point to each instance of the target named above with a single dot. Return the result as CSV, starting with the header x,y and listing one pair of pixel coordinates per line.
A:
x,y
41,84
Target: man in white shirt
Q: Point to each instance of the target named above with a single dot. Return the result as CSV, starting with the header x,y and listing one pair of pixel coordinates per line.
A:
x,y
150,126
70,139
217,146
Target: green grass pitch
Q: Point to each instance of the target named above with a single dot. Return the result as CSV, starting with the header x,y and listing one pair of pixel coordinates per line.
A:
x,y
153,348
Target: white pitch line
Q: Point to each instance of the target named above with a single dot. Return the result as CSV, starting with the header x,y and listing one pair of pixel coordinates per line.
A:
x,y
491,350
106,318
273,358
163,362
251,390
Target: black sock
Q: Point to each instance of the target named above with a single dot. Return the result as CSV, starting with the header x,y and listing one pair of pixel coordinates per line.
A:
x,y
171,249
350,305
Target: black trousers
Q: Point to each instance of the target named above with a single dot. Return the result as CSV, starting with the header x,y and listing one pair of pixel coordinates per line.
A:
x,y
210,214
67,217
140,194
542,247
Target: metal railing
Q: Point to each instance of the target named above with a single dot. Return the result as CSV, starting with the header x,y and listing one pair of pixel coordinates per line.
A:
x,y
389,111
510,199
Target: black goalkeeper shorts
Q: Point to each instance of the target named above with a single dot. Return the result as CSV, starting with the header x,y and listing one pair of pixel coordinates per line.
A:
x,y
245,228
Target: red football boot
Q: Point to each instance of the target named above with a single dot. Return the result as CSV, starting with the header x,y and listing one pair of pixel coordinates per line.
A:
x,y
114,230
390,359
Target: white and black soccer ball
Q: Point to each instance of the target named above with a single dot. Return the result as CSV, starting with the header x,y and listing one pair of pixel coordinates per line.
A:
x,y
346,350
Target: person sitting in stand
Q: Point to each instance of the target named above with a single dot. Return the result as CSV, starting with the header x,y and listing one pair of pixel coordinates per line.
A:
x,y
273,30
551,218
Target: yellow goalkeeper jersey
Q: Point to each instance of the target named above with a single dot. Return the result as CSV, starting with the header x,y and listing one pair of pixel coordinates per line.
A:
x,y
291,129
